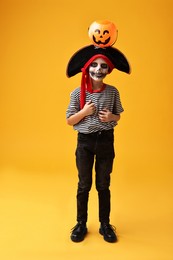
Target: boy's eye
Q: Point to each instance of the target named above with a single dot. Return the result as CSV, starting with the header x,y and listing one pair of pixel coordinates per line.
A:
x,y
104,66
94,64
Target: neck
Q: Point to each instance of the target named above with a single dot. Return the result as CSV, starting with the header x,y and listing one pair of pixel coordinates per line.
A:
x,y
96,85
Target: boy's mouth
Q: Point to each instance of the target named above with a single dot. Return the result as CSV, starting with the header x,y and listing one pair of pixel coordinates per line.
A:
x,y
98,74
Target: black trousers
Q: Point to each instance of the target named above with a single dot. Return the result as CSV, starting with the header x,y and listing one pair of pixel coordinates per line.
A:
x,y
95,148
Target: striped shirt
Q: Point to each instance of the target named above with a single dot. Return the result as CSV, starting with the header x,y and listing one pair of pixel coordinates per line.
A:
x,y
109,98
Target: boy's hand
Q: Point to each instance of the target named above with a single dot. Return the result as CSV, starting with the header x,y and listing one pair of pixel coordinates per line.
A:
x,y
89,108
105,115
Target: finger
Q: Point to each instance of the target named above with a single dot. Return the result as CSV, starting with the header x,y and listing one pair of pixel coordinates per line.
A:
x,y
102,113
101,117
89,102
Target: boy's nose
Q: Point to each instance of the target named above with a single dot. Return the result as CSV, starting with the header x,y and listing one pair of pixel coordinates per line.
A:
x,y
99,67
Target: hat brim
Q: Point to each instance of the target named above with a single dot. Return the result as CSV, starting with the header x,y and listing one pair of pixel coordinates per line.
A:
x,y
78,60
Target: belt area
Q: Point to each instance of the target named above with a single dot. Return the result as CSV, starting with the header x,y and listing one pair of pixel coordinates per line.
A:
x,y
103,132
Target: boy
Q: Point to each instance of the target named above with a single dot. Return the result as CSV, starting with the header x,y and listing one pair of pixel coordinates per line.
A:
x,y
94,111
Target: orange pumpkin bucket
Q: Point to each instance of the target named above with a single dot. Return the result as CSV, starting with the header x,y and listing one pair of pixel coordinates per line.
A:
x,y
103,33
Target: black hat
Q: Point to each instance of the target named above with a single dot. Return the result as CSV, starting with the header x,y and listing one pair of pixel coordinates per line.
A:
x,y
82,56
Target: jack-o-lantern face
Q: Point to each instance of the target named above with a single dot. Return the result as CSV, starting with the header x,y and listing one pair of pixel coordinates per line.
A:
x,y
103,33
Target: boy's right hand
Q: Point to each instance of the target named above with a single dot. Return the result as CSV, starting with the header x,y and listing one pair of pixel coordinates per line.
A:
x,y
89,108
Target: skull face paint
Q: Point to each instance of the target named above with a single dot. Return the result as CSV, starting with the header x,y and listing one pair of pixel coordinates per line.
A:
x,y
98,69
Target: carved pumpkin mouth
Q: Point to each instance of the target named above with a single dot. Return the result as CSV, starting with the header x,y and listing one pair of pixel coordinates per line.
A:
x,y
100,42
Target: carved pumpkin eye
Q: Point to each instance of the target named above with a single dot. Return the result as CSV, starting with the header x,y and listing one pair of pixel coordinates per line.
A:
x,y
97,31
103,33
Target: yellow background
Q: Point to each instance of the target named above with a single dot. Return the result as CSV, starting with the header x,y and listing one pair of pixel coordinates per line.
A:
x,y
37,168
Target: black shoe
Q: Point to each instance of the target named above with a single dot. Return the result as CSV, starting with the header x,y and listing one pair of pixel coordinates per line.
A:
x,y
79,231
108,232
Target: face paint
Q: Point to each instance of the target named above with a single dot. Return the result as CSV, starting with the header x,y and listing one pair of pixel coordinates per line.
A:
x,y
98,69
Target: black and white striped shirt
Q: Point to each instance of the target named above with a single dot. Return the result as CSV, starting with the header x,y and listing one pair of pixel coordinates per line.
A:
x,y
109,98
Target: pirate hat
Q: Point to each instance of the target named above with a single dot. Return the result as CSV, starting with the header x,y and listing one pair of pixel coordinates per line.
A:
x,y
82,56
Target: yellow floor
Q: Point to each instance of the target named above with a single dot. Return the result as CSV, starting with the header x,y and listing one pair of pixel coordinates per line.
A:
x,y
38,210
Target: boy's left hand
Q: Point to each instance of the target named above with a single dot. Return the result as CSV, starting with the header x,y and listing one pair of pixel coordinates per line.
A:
x,y
105,115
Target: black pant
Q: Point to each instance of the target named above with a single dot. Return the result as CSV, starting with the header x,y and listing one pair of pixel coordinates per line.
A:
x,y
98,147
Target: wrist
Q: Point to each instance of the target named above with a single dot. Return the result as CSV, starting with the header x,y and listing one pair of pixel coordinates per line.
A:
x,y
82,112
115,117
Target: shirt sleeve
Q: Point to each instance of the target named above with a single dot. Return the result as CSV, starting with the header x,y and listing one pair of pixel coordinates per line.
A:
x,y
74,105
118,109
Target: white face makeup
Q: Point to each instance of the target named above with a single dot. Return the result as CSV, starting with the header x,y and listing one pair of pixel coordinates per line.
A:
x,y
98,69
